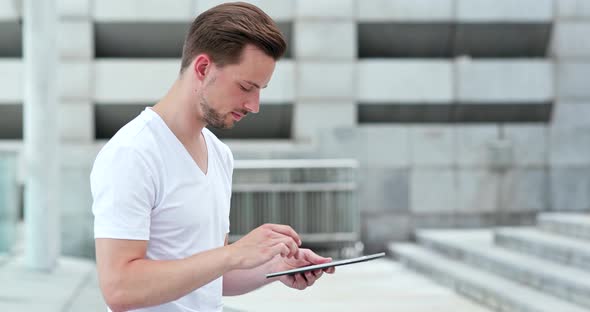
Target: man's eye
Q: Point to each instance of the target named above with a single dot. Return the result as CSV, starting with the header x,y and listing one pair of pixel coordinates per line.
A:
x,y
245,89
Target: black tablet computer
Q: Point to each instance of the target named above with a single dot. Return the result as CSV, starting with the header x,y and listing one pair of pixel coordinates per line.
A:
x,y
327,265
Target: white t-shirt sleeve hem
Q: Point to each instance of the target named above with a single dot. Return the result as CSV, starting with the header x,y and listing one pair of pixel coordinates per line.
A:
x,y
104,232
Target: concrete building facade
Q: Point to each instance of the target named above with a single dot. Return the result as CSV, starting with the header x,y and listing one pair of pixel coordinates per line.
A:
x,y
462,113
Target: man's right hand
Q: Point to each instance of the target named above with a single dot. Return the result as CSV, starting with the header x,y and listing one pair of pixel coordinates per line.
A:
x,y
263,243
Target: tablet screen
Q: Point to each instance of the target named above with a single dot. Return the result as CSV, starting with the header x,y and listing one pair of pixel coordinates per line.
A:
x,y
327,265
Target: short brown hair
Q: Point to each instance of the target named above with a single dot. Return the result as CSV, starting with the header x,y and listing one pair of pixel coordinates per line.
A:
x,y
224,30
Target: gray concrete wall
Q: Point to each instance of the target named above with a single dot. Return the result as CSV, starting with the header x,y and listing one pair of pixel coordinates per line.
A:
x,y
569,131
489,64
9,200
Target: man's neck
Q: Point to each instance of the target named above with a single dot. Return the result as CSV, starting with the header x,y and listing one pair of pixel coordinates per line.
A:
x,y
180,114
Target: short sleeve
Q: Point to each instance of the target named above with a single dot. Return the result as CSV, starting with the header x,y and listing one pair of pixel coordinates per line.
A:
x,y
123,192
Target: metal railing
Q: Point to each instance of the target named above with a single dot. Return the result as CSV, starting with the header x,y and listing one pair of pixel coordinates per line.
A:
x,y
318,198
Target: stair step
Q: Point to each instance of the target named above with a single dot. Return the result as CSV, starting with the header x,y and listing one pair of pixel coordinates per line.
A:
x,y
476,248
575,225
486,288
557,248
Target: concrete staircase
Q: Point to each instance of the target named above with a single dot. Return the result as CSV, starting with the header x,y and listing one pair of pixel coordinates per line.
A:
x,y
543,268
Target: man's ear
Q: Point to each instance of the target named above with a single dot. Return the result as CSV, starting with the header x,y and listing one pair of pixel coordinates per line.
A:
x,y
202,66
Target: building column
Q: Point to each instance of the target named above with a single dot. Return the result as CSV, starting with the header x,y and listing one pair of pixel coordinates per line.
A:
x,y
41,139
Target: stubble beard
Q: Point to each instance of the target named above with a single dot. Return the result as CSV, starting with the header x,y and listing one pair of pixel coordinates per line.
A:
x,y
211,117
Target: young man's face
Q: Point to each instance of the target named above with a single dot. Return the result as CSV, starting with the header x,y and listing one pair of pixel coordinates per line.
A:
x,y
231,92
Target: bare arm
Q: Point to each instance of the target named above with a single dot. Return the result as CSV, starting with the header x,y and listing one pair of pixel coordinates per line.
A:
x,y
239,282
129,281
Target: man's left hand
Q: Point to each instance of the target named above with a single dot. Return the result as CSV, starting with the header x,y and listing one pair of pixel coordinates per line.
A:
x,y
304,257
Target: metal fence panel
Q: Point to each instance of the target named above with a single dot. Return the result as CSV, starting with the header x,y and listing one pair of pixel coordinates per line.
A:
x,y
318,198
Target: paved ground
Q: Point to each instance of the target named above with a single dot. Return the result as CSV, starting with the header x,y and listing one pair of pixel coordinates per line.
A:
x,y
71,287
380,285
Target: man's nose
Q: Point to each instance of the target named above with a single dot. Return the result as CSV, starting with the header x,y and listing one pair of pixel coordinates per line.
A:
x,y
252,105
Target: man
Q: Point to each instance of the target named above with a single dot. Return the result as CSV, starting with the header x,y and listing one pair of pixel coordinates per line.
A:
x,y
162,184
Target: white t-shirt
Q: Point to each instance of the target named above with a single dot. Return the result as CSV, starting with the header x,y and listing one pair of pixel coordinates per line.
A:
x,y
146,186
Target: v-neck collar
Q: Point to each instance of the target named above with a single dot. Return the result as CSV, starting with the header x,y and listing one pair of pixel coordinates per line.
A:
x,y
183,149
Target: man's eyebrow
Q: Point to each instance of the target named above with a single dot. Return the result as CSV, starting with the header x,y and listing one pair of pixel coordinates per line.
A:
x,y
255,84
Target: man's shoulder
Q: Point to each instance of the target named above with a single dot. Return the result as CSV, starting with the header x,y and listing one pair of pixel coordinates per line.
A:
x,y
134,138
